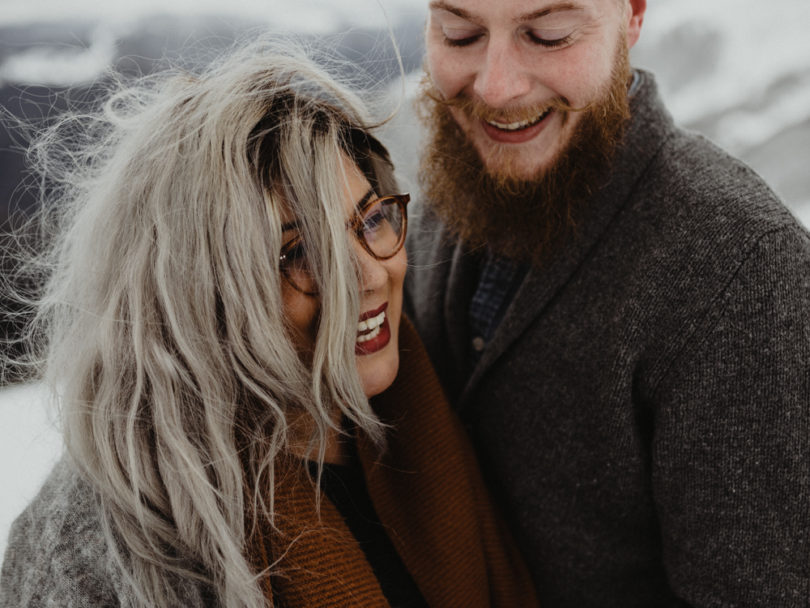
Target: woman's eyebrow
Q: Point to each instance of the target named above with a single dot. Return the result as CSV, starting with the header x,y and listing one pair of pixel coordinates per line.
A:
x,y
364,200
290,226
295,224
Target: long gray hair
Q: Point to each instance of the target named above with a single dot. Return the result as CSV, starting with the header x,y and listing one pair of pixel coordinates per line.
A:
x,y
162,322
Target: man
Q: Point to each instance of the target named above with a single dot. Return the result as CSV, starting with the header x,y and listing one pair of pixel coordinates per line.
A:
x,y
619,311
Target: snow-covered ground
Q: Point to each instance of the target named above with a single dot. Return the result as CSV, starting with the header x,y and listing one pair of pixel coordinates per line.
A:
x,y
736,70
29,446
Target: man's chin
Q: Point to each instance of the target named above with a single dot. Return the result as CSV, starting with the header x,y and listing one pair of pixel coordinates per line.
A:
x,y
516,163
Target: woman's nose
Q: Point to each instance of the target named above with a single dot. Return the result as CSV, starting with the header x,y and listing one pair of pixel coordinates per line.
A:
x,y
372,272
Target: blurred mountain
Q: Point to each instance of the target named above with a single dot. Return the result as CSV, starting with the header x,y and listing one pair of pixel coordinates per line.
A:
x,y
46,68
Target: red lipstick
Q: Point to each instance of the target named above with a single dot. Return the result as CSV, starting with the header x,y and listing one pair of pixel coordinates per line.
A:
x,y
376,337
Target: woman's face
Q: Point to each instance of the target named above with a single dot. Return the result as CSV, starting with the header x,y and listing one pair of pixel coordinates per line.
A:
x,y
376,349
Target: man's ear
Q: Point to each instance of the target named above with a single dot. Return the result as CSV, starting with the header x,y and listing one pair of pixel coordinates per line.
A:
x,y
636,14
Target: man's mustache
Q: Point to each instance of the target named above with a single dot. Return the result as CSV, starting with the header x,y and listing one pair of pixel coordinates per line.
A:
x,y
478,109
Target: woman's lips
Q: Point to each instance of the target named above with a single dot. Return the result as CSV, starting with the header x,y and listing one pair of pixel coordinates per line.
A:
x,y
373,331
373,313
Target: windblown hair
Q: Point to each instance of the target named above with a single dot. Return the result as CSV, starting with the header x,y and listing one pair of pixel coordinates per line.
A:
x,y
162,323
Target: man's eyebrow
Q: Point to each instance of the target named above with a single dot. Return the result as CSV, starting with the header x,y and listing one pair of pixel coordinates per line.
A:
x,y
460,12
555,8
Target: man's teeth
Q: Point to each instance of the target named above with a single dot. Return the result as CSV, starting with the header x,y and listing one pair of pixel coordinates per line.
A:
x,y
373,324
516,126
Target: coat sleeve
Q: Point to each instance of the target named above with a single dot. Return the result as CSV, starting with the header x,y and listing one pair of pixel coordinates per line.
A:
x,y
56,553
730,455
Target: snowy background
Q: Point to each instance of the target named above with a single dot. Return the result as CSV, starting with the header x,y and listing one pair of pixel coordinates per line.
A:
x,y
736,70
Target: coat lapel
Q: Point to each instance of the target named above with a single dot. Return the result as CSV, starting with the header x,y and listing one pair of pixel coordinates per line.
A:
x,y
461,285
439,286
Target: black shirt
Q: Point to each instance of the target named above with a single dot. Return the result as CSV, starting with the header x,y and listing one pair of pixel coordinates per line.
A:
x,y
345,486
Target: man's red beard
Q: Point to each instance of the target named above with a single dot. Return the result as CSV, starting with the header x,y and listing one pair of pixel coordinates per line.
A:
x,y
522,219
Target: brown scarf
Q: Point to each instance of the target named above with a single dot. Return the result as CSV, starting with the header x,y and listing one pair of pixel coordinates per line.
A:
x,y
427,491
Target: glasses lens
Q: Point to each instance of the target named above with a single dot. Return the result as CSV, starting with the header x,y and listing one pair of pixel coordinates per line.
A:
x,y
382,227
296,267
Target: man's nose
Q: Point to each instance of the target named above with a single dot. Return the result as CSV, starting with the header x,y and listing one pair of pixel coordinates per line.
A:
x,y
501,78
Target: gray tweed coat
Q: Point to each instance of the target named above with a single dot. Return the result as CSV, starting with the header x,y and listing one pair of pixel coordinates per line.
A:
x,y
643,410
57,555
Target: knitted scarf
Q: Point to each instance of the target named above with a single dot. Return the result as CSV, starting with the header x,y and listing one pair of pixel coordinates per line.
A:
x,y
427,492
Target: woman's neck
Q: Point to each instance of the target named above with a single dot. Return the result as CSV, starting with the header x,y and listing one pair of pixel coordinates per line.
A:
x,y
337,450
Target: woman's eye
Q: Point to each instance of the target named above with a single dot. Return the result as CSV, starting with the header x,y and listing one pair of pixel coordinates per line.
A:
x,y
548,39
374,220
296,252
295,256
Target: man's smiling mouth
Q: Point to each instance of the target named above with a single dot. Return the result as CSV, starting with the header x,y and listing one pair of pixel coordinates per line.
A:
x,y
518,125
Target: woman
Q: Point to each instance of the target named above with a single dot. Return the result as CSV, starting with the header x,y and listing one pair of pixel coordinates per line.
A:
x,y
224,300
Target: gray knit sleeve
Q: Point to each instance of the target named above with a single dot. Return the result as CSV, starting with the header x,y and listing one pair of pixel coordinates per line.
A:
x,y
56,554
731,453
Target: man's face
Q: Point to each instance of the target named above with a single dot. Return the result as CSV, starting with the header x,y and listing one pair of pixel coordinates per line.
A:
x,y
513,70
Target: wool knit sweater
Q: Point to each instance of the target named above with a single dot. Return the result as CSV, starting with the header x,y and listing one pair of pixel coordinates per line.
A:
x,y
643,409
424,485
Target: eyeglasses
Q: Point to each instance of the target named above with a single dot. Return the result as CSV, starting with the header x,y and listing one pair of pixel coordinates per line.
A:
x,y
379,226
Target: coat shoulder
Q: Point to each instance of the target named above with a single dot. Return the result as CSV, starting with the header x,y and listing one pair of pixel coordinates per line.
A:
x,y
57,553
699,186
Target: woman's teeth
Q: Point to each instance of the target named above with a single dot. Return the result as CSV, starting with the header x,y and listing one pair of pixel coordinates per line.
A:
x,y
517,126
372,326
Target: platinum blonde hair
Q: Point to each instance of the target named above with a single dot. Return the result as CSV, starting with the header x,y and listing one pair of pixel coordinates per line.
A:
x,y
162,318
